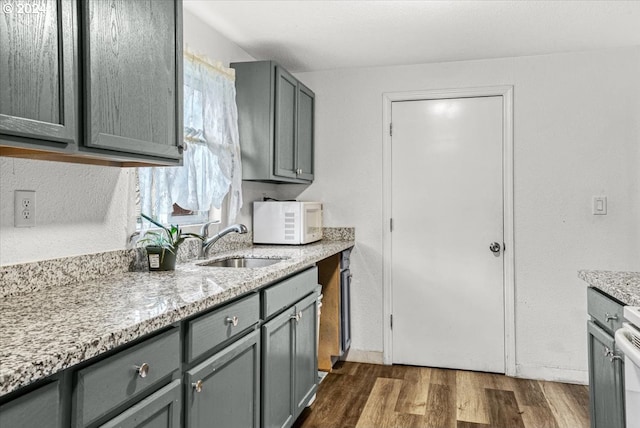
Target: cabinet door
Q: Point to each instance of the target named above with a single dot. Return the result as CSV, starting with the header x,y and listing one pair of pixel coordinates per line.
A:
x,y
285,124
605,380
278,368
306,352
224,390
345,310
306,108
133,76
40,408
38,73
160,410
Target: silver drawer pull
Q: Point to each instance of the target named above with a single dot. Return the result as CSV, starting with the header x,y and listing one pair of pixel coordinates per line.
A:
x,y
232,320
608,317
297,316
143,370
197,386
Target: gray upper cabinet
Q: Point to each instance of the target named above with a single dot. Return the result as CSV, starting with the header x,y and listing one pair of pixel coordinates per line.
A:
x,y
276,123
38,75
120,60
305,132
132,76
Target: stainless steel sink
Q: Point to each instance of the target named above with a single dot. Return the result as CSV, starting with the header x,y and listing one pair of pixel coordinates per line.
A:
x,y
241,262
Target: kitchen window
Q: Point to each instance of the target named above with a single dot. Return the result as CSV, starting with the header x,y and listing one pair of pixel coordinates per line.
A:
x,y
211,175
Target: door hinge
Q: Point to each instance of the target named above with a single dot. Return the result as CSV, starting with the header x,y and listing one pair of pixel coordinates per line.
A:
x,y
391,129
391,225
391,321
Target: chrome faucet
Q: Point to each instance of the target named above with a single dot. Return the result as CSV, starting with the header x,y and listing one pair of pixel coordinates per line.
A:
x,y
208,242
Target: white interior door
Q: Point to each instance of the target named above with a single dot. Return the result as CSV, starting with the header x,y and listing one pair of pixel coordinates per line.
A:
x,y
447,209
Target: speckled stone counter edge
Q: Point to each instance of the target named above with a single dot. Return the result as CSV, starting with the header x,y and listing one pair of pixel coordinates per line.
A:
x,y
624,286
26,278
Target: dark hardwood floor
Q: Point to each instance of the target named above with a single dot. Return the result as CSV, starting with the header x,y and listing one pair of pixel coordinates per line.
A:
x,y
375,396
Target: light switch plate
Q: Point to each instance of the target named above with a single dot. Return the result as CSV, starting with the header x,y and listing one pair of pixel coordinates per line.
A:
x,y
599,205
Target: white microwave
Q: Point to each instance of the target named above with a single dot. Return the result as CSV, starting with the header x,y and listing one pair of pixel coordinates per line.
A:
x,y
287,222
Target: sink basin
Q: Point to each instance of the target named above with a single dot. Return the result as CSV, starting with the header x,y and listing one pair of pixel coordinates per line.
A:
x,y
241,262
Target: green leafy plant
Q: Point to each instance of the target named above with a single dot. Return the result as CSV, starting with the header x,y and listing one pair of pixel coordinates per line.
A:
x,y
169,238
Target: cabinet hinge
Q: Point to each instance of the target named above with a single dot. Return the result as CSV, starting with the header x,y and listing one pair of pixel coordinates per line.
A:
x,y
391,225
391,321
391,129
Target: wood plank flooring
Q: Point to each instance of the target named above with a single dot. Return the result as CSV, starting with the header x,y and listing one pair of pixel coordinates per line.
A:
x,y
374,396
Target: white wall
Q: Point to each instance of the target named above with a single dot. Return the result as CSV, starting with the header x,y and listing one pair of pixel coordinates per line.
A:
x,y
576,134
87,209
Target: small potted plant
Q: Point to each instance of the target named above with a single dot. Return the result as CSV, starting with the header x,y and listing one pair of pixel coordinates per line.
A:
x,y
162,246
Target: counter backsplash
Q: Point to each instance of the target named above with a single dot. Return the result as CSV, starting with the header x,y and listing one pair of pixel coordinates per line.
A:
x,y
29,277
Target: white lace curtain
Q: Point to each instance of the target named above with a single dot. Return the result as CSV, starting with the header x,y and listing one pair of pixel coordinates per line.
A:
x,y
211,167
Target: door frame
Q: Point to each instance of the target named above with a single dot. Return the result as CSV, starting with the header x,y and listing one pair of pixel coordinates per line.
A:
x,y
506,92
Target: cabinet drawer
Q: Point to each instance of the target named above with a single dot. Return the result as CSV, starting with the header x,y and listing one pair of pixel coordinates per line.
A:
x,y
210,330
40,408
606,311
111,382
289,291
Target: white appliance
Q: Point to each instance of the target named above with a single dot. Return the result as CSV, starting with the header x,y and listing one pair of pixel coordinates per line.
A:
x,y
287,222
628,341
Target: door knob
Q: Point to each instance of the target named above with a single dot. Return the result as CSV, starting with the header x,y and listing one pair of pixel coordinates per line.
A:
x,y
495,247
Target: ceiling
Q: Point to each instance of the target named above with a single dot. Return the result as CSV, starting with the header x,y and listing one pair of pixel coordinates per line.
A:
x,y
310,35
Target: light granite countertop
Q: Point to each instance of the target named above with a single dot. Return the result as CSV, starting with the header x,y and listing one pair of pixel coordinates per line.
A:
x,y
624,286
54,328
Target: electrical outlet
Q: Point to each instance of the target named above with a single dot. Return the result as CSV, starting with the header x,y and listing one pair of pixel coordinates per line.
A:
x,y
25,208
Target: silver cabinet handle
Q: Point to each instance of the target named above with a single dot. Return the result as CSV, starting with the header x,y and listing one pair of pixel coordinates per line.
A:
x,y
611,355
297,316
142,370
495,247
608,317
232,320
197,386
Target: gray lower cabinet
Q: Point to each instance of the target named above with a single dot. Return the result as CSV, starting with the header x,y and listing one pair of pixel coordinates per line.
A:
x,y
278,370
38,75
39,408
276,123
289,363
111,383
224,367
606,367
159,410
224,390
306,353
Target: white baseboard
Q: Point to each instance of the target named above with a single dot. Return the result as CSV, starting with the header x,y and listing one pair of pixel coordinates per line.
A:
x,y
360,356
555,374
